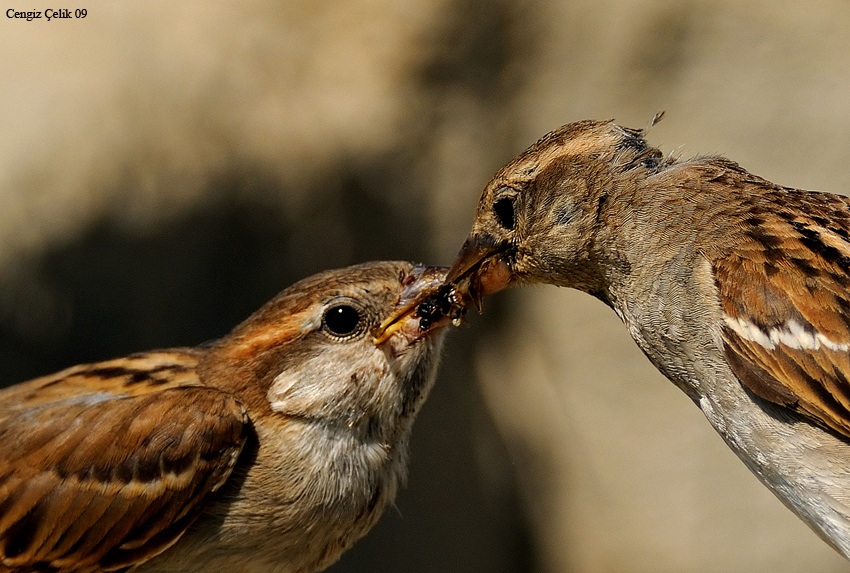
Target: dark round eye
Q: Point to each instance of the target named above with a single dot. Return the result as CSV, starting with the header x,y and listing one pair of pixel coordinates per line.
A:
x,y
342,320
504,210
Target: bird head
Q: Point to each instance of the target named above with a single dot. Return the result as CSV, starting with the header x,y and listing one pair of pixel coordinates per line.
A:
x,y
537,218
342,349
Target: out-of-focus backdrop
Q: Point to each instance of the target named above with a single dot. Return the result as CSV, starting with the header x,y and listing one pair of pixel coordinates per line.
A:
x,y
167,167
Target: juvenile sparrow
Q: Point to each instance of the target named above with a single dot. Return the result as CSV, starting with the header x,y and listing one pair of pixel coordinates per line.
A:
x,y
735,288
272,449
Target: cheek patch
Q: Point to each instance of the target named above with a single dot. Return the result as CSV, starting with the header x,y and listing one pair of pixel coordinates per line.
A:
x,y
281,387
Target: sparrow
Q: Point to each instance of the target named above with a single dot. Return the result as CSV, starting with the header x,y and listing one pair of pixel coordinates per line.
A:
x,y
735,288
274,448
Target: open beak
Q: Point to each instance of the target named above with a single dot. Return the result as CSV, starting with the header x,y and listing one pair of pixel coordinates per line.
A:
x,y
436,295
480,268
421,283
473,252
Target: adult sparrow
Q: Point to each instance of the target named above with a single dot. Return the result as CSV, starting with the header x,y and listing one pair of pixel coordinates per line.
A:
x,y
734,287
272,449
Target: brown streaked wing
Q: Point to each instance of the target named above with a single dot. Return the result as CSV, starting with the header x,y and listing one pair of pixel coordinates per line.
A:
x,y
102,481
130,375
772,288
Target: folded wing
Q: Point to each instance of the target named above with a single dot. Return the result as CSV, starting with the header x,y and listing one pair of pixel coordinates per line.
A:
x,y
787,319
97,476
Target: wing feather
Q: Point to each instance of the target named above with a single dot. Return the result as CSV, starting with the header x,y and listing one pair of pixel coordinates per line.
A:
x,y
787,322
101,473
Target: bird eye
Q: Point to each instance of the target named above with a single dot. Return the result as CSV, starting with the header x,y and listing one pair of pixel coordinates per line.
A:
x,y
504,210
342,320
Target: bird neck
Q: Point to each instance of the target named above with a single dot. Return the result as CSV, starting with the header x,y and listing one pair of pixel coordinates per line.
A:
x,y
656,224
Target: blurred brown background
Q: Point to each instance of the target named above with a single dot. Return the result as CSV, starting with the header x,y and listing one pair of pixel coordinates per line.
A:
x,y
167,167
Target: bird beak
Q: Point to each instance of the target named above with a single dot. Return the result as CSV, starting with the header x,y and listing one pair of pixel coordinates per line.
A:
x,y
473,252
421,283
480,268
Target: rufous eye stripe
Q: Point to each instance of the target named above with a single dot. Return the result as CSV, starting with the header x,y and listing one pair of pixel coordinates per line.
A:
x,y
267,335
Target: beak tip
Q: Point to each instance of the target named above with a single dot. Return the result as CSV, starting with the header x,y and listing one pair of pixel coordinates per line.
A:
x,y
421,283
